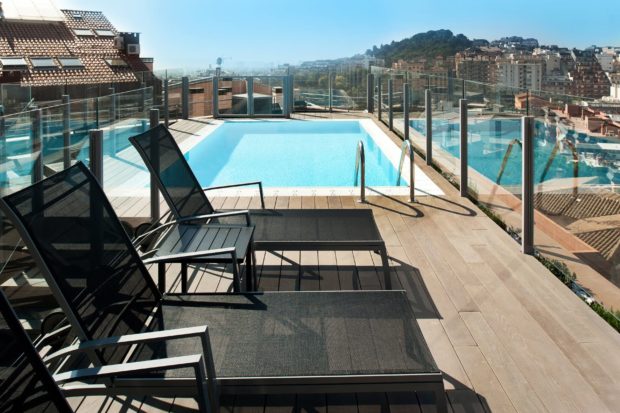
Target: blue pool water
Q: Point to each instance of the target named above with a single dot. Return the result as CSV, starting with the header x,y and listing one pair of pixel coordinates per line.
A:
x,y
490,142
289,154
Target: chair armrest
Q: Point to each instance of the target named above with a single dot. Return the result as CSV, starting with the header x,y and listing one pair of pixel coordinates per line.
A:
x,y
190,256
206,396
194,218
140,338
129,368
259,183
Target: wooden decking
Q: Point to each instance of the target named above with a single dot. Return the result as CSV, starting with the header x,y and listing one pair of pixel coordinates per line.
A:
x,y
508,336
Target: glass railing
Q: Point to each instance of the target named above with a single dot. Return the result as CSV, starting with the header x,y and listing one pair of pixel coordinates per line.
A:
x,y
576,159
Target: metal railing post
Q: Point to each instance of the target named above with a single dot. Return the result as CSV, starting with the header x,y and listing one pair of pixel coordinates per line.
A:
x,y
112,118
166,104
291,91
216,97
391,104
463,146
185,97
3,154
406,99
379,99
249,81
37,145
330,90
428,106
95,154
155,211
142,98
527,185
370,97
2,122
286,109
66,131
360,166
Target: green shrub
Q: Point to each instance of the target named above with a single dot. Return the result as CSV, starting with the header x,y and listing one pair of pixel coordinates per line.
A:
x,y
608,315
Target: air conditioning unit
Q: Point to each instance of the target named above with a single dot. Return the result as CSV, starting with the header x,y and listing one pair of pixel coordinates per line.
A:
x,y
133,49
119,43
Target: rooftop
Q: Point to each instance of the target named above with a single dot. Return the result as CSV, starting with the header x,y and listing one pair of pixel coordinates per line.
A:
x,y
506,333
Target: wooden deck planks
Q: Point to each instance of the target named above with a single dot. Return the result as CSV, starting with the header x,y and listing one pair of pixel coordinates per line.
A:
x,y
495,320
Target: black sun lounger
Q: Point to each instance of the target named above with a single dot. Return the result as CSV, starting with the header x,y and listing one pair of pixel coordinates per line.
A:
x,y
27,385
261,343
276,229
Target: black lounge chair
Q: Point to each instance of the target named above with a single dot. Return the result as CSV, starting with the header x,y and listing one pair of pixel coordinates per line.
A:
x,y
27,385
275,229
266,343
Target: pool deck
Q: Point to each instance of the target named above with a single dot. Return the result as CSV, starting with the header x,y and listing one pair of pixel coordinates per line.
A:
x,y
508,336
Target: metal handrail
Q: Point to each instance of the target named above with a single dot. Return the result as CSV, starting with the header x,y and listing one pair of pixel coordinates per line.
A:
x,y
407,148
360,161
505,160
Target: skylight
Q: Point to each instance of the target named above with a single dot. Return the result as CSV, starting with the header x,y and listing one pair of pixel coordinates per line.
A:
x,y
43,63
71,62
83,32
116,62
13,63
104,33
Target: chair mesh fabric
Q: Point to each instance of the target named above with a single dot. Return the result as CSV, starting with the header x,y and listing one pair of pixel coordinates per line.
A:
x,y
301,333
176,179
83,244
24,388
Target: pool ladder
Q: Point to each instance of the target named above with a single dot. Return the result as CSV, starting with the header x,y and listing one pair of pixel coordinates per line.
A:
x,y
407,149
360,163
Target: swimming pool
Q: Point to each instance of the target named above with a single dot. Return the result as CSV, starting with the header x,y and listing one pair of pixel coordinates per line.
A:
x,y
294,153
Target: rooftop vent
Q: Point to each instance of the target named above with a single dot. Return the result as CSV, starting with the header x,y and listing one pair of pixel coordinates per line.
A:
x,y
11,64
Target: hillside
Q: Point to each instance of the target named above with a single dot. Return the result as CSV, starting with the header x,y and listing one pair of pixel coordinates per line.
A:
x,y
429,45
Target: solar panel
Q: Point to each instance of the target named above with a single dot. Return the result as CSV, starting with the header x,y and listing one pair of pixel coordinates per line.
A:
x,y
71,62
104,33
83,32
43,63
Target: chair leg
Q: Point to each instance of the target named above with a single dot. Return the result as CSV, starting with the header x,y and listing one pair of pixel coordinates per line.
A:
x,y
161,277
248,271
236,271
386,268
184,278
440,399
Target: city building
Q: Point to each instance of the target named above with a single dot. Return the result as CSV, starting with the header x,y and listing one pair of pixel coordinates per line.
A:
x,y
477,64
587,77
520,74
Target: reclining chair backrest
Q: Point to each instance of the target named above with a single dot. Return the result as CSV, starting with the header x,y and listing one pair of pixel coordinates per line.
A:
x,y
85,254
25,383
173,175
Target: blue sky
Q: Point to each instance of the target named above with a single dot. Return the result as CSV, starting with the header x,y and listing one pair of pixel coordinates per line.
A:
x,y
193,33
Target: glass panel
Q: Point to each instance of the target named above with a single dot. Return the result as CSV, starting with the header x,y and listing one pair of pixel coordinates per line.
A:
x,y
268,95
577,180
311,89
